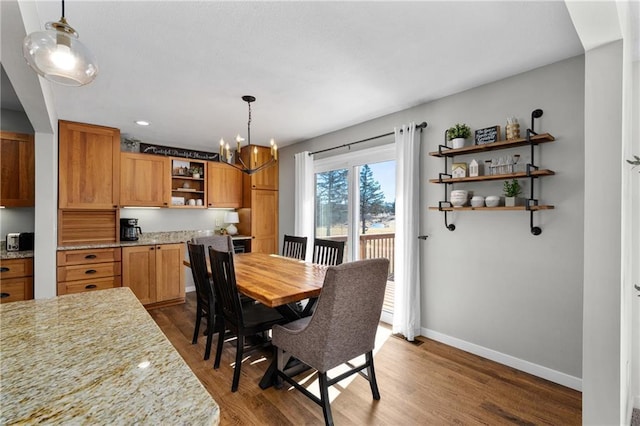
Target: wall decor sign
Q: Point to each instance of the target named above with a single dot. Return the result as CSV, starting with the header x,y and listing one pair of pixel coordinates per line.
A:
x,y
169,151
487,135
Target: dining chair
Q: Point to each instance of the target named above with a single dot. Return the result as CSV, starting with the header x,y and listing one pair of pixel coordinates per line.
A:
x,y
294,247
328,252
242,319
205,307
342,327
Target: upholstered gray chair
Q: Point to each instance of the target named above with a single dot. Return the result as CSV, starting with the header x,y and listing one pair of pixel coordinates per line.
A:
x,y
342,327
218,242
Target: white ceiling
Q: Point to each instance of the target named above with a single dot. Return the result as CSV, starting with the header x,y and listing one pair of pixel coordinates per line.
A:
x,y
314,67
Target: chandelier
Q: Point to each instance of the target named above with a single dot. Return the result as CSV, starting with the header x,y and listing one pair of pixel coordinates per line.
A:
x,y
57,54
226,153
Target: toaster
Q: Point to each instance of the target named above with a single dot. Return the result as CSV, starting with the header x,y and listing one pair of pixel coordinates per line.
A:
x,y
13,241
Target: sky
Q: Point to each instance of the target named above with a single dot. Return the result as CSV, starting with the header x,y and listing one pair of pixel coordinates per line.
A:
x,y
385,174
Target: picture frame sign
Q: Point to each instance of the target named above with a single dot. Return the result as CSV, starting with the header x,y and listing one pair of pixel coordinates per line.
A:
x,y
487,135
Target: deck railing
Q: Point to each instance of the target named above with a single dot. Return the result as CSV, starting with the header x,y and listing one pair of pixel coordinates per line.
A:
x,y
372,246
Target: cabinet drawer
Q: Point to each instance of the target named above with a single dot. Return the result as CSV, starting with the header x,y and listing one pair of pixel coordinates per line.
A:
x,y
80,257
88,271
15,289
88,285
14,268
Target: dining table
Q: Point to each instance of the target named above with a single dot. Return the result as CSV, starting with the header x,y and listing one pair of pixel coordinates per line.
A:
x,y
277,282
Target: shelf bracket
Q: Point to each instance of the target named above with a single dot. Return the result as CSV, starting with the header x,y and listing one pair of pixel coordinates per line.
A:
x,y
532,202
441,204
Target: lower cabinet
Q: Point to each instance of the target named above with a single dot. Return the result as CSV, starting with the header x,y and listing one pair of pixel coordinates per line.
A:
x,y
16,280
88,270
154,273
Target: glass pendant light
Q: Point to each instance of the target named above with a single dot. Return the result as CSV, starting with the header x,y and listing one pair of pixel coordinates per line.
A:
x,y
58,55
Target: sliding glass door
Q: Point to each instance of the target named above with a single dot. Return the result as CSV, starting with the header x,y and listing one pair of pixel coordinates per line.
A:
x,y
355,203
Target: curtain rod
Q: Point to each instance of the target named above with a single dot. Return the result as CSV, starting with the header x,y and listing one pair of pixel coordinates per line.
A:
x,y
420,126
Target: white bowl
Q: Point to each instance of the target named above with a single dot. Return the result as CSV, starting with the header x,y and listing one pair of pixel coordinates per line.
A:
x,y
492,201
477,201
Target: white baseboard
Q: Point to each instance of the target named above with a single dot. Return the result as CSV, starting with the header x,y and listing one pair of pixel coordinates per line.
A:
x,y
190,289
519,364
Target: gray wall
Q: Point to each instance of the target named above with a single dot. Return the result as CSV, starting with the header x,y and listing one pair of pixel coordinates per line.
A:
x,y
491,286
15,219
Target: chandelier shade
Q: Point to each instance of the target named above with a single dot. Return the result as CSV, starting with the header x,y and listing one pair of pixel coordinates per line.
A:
x,y
59,56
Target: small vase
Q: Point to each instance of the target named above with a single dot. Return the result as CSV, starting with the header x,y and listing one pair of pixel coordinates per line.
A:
x,y
196,175
510,201
457,143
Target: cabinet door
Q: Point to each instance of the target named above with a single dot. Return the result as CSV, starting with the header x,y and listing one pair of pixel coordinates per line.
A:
x,y
264,179
143,180
224,185
139,272
264,221
89,166
17,156
169,272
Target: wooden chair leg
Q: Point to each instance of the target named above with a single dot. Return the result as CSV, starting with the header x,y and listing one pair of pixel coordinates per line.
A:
x,y
238,366
372,376
324,397
210,331
197,329
220,326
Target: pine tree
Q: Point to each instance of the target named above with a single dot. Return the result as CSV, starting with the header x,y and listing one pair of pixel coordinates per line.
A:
x,y
331,198
371,196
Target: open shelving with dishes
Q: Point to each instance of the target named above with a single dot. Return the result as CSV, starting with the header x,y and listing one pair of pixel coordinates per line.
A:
x,y
531,172
188,184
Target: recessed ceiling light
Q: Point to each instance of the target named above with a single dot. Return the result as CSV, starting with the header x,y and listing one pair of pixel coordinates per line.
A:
x,y
142,123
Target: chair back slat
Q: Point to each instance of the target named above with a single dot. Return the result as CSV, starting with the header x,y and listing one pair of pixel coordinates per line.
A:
x,y
294,247
328,252
198,260
224,284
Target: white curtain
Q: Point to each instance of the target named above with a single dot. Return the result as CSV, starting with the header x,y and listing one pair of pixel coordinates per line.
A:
x,y
406,308
304,199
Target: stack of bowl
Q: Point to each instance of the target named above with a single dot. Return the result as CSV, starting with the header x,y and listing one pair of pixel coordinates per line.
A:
x,y
459,197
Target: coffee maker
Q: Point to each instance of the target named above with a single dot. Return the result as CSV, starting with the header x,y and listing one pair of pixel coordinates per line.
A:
x,y
129,230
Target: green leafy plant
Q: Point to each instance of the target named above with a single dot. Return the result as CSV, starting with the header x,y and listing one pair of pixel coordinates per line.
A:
x,y
458,131
635,162
195,170
512,188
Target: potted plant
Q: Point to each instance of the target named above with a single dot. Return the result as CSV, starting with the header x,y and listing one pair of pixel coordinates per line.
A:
x,y
511,191
195,171
457,134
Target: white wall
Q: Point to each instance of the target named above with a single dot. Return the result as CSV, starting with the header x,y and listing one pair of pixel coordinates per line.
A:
x,y
491,286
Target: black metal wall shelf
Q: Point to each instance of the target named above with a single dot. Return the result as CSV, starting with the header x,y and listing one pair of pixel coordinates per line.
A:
x,y
532,172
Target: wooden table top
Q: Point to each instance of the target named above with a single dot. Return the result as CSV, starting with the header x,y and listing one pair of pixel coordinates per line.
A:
x,y
276,280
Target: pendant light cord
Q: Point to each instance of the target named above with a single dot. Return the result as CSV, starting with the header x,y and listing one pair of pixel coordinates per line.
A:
x,y
249,126
63,8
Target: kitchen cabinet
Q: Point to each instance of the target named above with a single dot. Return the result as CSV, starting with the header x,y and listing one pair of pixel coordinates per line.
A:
x,y
144,180
82,227
188,184
89,166
154,273
17,156
264,179
260,221
88,270
531,172
224,185
16,279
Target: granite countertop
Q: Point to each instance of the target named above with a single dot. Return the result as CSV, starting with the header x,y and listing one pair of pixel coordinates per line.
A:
x,y
94,358
150,238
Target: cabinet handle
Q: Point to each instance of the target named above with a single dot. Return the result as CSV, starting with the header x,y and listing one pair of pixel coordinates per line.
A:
x,y
90,286
159,247
90,256
151,248
4,295
4,269
90,271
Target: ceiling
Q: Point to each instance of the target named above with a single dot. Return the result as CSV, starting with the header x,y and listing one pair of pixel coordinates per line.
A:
x,y
314,67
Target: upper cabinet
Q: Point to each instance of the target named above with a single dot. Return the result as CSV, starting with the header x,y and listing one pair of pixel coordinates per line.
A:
x,y
188,183
224,185
17,156
89,166
264,179
144,180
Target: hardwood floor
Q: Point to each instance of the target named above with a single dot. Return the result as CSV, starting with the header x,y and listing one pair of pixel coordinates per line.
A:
x,y
424,383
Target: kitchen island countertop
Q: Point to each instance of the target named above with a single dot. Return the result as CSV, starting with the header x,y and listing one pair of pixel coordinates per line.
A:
x,y
94,358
